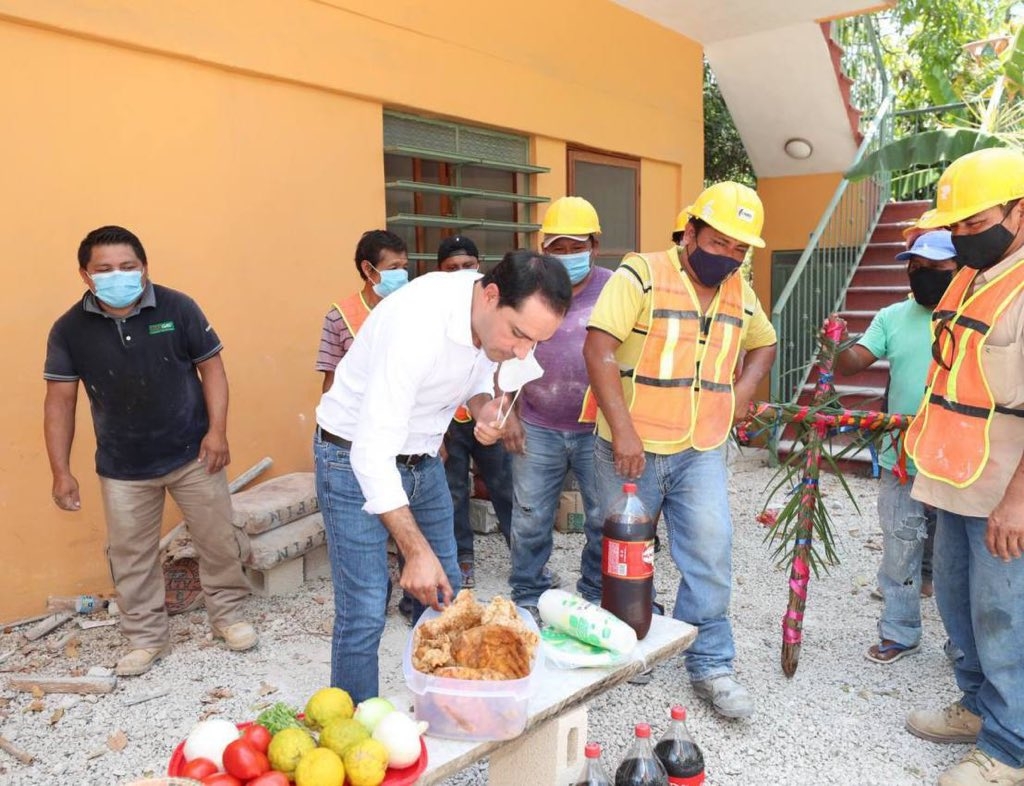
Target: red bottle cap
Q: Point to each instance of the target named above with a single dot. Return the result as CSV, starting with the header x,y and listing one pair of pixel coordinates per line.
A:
x,y
643,730
678,713
592,750
629,488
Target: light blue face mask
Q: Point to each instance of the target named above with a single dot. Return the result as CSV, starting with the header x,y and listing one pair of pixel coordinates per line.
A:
x,y
576,265
390,281
118,288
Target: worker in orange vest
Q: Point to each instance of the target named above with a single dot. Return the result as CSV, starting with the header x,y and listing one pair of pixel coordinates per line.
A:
x,y
662,351
967,441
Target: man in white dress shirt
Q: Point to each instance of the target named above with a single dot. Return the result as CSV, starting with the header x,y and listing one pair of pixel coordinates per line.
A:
x,y
429,346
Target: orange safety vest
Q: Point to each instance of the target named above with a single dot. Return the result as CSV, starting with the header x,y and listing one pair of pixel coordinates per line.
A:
x,y
354,311
670,402
949,437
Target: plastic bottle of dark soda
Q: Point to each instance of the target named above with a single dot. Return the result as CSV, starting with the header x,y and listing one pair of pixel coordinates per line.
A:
x,y
593,773
679,754
627,561
641,767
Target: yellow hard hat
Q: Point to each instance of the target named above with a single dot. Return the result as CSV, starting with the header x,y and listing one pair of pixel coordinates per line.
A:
x,y
976,182
571,215
681,221
733,209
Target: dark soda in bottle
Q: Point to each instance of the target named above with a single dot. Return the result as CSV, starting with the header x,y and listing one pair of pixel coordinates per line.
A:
x,y
679,754
641,767
627,561
593,773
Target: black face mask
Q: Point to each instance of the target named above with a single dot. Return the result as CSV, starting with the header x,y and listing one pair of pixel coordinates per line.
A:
x,y
928,285
711,269
983,249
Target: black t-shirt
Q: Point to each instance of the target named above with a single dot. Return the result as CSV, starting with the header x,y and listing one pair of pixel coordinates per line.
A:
x,y
140,375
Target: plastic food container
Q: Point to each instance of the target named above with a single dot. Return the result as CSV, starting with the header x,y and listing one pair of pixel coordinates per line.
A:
x,y
471,709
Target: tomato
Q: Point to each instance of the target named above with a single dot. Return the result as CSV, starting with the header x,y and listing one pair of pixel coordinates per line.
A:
x,y
197,769
257,736
220,779
244,761
272,778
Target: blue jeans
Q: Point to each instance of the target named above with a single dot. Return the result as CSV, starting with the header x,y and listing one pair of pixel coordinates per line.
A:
x,y
905,526
537,479
357,545
691,489
981,600
495,467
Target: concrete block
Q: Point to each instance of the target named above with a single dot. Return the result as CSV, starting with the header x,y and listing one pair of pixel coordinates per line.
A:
x,y
552,753
482,517
283,578
316,564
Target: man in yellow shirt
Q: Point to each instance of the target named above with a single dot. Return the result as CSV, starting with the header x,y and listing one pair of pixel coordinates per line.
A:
x,y
663,354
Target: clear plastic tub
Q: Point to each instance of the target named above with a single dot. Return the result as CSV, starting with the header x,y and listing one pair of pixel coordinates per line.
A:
x,y
471,709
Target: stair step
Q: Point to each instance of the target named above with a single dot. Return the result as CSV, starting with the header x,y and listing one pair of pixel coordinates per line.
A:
x,y
890,232
905,211
880,275
882,253
873,298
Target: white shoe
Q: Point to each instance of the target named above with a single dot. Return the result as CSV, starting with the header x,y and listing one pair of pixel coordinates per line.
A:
x,y
239,636
726,695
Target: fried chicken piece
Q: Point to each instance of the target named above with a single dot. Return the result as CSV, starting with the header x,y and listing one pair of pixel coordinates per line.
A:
x,y
463,613
494,647
501,611
467,673
431,654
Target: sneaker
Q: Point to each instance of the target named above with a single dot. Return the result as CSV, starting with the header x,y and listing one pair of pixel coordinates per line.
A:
x,y
977,768
726,695
927,588
468,576
139,661
238,636
535,613
554,578
405,607
955,723
951,651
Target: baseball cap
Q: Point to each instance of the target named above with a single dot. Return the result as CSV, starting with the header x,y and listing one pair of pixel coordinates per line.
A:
x,y
456,244
549,239
931,245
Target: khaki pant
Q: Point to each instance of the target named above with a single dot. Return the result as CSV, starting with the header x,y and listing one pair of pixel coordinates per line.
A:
x,y
134,510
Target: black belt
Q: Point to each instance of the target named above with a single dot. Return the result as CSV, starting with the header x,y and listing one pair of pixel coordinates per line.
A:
x,y
341,442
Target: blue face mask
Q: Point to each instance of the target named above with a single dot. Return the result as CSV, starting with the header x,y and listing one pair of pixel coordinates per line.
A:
x,y
390,281
118,288
576,265
711,269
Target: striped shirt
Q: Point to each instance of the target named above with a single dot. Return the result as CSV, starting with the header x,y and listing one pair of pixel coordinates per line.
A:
x,y
335,341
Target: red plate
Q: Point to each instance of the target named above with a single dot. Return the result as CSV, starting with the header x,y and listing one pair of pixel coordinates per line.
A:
x,y
392,777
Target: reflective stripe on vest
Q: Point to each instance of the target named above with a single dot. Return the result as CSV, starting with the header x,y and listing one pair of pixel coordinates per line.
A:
x,y
669,404
354,311
949,437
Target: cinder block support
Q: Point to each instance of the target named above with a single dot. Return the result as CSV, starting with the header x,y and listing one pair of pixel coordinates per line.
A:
x,y
316,564
283,578
552,753
482,517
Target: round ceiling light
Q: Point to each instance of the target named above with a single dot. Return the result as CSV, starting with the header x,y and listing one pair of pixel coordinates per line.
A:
x,y
798,148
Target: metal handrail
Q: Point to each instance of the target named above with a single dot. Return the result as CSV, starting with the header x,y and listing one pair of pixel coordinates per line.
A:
x,y
818,283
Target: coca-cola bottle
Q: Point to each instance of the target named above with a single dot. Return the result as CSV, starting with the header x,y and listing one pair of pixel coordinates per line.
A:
x,y
641,767
593,773
679,754
627,562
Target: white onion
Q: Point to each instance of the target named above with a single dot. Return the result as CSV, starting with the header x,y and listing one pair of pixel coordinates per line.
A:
x,y
370,712
208,739
400,734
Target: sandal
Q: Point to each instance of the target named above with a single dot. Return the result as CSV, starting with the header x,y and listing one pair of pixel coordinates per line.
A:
x,y
888,651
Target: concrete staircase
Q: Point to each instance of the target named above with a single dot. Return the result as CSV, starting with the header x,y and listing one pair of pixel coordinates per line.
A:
x,y
878,281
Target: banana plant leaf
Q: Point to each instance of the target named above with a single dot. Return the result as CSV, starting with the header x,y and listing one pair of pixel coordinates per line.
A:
x,y
927,148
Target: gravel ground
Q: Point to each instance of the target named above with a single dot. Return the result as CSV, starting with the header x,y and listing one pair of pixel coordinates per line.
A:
x,y
839,719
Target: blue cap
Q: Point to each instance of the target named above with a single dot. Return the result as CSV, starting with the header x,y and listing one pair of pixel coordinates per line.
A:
x,y
935,245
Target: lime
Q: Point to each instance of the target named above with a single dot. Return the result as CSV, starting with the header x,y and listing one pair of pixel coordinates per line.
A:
x,y
326,705
365,763
287,747
320,767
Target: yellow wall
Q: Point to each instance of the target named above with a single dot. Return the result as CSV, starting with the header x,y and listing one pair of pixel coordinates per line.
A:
x,y
242,141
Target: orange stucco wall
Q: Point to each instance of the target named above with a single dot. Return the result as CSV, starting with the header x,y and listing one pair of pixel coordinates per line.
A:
x,y
242,142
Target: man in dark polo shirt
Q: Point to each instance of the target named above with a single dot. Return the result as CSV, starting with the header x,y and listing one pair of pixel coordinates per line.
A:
x,y
160,426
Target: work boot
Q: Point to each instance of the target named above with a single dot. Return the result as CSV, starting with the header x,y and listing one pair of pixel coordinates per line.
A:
x,y
726,695
977,768
139,661
954,723
239,636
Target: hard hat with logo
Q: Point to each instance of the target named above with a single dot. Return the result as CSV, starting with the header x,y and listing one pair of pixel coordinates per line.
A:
x,y
681,221
976,182
570,216
733,209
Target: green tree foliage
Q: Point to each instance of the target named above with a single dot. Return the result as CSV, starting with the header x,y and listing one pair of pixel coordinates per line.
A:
x,y
725,158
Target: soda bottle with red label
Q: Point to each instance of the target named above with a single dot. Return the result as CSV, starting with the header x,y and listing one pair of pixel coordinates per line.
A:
x,y
593,773
679,754
627,564
641,767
